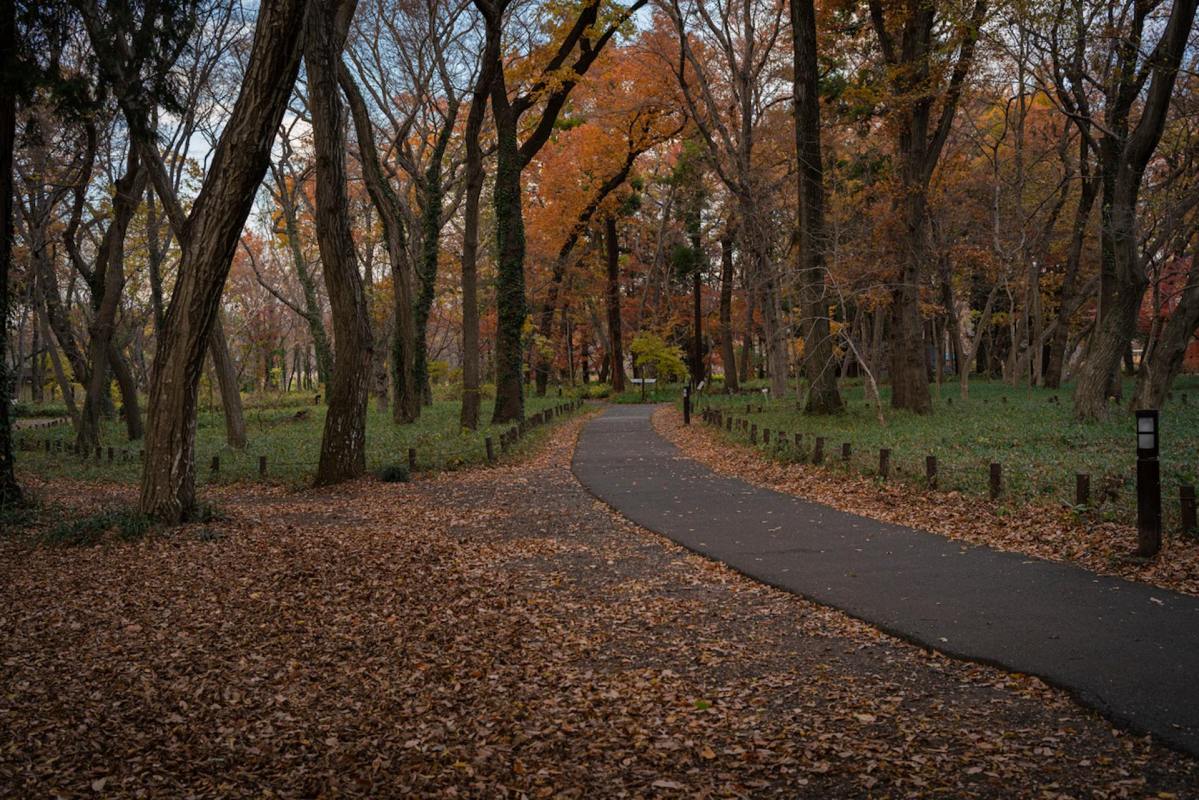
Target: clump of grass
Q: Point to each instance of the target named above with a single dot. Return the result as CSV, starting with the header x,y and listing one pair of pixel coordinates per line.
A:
x,y
126,524
394,473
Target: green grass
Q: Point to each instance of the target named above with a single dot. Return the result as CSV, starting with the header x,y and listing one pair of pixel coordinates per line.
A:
x,y
1038,442
290,444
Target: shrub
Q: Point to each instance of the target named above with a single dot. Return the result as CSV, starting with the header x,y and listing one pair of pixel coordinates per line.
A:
x,y
394,473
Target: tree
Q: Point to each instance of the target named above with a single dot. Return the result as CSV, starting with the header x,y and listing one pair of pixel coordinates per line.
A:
x,y
818,365
917,82
722,66
343,445
558,74
1124,151
207,238
10,492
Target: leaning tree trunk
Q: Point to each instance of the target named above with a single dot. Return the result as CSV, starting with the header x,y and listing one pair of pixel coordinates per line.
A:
x,y
407,400
128,387
109,273
615,335
727,353
213,228
343,445
1066,296
226,376
819,365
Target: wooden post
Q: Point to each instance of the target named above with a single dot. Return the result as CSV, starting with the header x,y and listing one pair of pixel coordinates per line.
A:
x,y
930,471
216,464
411,459
884,462
728,424
1082,489
766,436
262,466
798,442
818,453
112,454
846,451
1186,502
753,434
996,481
99,453
490,450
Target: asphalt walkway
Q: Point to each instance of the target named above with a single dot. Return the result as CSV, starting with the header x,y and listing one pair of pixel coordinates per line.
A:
x,y
1130,651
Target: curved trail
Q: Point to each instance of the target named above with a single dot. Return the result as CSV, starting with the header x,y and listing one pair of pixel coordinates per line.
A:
x,y
1129,650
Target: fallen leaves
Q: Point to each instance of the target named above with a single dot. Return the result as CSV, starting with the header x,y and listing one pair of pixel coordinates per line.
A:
x,y
494,633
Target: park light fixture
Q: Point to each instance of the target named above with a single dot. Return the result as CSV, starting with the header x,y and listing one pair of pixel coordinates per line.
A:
x,y
1149,485
1147,433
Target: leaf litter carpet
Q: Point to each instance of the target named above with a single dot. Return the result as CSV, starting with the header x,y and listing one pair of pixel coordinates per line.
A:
x,y
498,634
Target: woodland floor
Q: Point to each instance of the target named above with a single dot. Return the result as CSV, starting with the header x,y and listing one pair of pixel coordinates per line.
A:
x,y
491,633
1040,529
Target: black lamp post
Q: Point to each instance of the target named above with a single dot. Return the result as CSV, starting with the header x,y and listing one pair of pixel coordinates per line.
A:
x,y
1149,485
686,405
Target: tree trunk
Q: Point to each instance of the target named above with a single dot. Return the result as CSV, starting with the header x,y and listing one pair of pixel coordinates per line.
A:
x,y
1124,156
343,444
108,276
615,335
128,386
909,366
10,492
226,375
1161,366
697,327
745,363
212,231
511,306
471,398
406,402
1066,296
819,364
313,315
727,353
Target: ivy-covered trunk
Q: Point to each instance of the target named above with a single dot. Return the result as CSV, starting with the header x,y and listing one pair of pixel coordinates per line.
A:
x,y
510,277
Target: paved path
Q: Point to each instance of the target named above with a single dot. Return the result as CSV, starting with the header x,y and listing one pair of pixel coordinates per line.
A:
x,y
1130,651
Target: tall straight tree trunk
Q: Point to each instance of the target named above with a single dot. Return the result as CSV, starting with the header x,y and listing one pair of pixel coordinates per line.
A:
x,y
343,444
510,247
10,492
471,396
615,335
226,376
697,327
819,365
745,363
208,243
432,195
727,353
